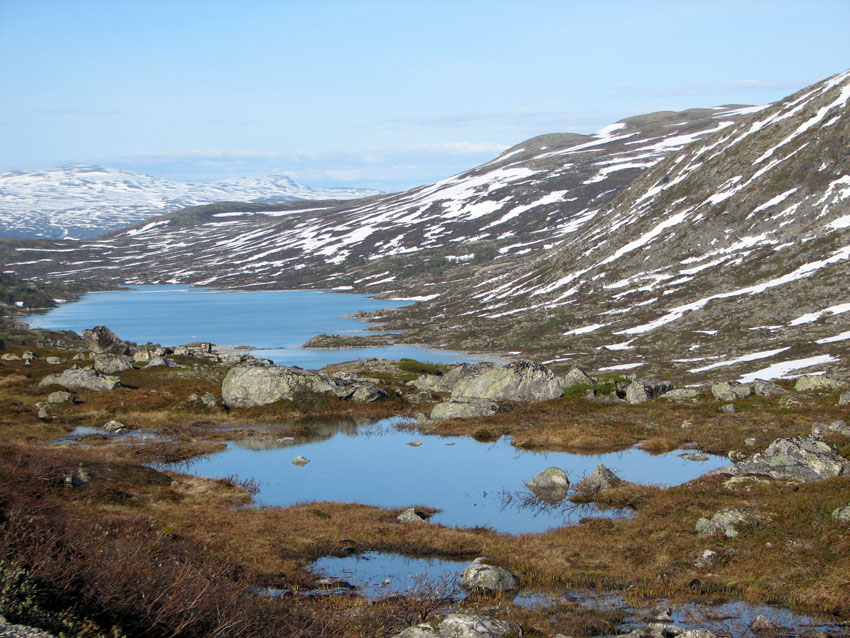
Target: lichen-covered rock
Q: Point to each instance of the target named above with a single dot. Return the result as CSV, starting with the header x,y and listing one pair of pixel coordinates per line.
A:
x,y
767,389
602,478
516,381
726,521
841,514
247,386
820,383
60,396
834,427
87,378
481,576
464,626
159,360
550,485
55,361
576,376
112,363
114,426
726,391
681,394
413,515
102,340
464,409
642,390
797,459
844,399
446,382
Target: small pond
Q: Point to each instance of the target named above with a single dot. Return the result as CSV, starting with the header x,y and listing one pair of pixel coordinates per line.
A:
x,y
473,484
275,322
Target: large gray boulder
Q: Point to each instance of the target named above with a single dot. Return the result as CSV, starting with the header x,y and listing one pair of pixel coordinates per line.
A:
x,y
447,381
726,521
576,376
464,626
102,340
601,479
87,378
550,485
726,391
681,394
820,383
112,363
248,386
642,390
797,459
767,389
465,409
841,514
481,576
516,381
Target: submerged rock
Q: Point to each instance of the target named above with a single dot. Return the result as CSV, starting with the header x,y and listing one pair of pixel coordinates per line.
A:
x,y
464,409
516,381
798,459
247,386
481,576
726,521
87,378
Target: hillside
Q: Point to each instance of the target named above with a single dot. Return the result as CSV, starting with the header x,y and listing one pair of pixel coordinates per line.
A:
x,y
82,201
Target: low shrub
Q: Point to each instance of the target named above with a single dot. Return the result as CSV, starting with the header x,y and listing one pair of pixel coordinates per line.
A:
x,y
419,367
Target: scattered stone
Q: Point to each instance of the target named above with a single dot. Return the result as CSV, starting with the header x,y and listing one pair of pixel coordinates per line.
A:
x,y
767,389
662,614
413,515
842,514
642,390
819,383
112,363
8,356
797,459
209,400
687,424
481,576
726,391
681,394
549,478
78,479
300,461
727,408
836,427
750,442
247,386
87,378
414,443
844,399
55,361
114,426
694,456
763,625
576,376
515,381
28,356
60,396
464,409
737,456
602,478
726,521
158,360
708,559
102,340
464,626
45,410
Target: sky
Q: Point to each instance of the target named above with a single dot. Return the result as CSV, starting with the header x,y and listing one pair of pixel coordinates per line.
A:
x,y
383,94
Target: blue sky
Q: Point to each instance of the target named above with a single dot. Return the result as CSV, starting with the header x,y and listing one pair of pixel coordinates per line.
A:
x,y
385,94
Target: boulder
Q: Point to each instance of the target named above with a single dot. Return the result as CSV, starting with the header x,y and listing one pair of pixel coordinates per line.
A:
x,y
681,394
726,391
247,386
764,625
44,410
9,356
464,626
300,461
112,363
602,478
54,361
642,390
841,514
196,349
727,408
575,376
516,381
102,340
767,389
413,515
820,383
159,360
797,459
550,485
481,576
464,409
844,399
60,396
114,426
87,378
726,521
835,427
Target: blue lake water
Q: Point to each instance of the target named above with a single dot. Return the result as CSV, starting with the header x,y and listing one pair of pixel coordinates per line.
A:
x,y
275,322
473,484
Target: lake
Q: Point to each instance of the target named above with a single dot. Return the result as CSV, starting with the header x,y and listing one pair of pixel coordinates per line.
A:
x,y
275,322
473,484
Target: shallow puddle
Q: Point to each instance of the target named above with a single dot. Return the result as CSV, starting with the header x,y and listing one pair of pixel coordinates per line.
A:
x,y
79,434
472,484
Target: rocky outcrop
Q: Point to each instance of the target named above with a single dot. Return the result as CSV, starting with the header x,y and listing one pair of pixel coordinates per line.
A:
x,y
112,363
481,576
86,378
465,409
726,521
464,626
102,340
516,381
817,383
249,386
602,478
642,390
730,391
445,383
797,459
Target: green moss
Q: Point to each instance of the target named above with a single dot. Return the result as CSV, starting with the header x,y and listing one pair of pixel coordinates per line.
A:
x,y
419,367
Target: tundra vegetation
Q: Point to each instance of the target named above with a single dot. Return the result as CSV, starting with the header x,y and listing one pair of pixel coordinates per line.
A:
x,y
97,540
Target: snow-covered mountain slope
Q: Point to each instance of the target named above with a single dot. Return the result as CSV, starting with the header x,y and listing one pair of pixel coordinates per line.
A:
x,y
82,201
732,254
524,200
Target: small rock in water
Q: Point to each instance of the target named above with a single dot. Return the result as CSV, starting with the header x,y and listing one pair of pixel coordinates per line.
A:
x,y
694,456
602,478
300,461
414,443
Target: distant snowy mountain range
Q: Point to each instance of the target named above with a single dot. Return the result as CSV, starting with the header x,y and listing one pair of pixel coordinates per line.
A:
x,y
83,201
